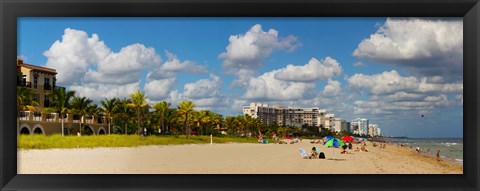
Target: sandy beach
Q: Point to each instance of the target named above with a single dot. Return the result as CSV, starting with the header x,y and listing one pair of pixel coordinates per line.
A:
x,y
231,158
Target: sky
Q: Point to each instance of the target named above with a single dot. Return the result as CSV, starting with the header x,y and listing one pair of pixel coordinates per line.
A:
x,y
392,71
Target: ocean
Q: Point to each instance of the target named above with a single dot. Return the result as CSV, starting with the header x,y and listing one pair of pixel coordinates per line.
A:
x,y
450,148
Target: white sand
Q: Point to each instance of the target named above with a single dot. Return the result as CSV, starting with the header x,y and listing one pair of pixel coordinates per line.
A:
x,y
228,159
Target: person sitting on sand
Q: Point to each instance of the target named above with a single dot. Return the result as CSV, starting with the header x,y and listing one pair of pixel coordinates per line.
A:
x,y
362,148
417,149
314,153
350,146
356,150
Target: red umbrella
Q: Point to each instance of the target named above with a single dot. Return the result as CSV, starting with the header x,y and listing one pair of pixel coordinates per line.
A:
x,y
348,139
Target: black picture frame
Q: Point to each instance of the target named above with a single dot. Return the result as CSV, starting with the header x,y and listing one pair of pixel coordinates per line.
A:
x,y
10,10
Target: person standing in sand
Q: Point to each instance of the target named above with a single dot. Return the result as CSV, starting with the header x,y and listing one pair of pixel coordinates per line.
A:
x,y
438,154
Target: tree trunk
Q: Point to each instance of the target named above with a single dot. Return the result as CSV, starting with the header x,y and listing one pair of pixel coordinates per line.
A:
x,y
139,129
126,130
63,131
186,125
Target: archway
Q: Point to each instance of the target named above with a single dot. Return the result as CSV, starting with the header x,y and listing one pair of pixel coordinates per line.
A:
x,y
101,132
25,131
38,131
87,130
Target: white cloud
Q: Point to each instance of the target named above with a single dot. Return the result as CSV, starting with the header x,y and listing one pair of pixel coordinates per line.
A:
x,y
203,88
132,57
248,51
173,66
332,89
267,87
390,93
88,66
314,70
100,91
72,56
158,89
384,83
430,46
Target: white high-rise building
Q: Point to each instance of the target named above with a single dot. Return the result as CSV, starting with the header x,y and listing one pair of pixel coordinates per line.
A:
x,y
289,116
359,126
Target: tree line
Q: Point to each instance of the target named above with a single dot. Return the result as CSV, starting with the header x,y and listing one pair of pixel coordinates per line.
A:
x,y
134,116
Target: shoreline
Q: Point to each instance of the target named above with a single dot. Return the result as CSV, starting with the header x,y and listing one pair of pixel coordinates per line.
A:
x,y
229,158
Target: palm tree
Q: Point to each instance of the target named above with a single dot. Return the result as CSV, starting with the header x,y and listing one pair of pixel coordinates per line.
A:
x,y
138,103
124,112
60,100
110,107
161,109
170,115
185,108
80,107
24,101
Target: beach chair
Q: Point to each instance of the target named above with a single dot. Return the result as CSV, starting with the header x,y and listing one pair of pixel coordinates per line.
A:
x,y
303,153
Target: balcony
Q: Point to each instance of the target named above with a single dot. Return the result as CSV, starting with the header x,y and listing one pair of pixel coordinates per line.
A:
x,y
24,84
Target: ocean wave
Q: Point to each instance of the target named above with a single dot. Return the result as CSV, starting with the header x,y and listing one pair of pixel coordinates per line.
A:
x,y
448,144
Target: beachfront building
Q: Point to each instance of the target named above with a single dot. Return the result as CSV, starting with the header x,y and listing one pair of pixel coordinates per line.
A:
x,y
286,116
373,130
359,126
42,81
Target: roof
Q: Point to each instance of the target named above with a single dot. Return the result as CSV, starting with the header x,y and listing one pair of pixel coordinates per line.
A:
x,y
39,68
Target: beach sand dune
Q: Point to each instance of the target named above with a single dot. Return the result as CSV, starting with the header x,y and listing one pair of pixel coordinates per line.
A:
x,y
231,158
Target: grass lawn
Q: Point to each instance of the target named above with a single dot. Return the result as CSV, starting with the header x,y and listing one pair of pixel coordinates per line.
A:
x,y
57,141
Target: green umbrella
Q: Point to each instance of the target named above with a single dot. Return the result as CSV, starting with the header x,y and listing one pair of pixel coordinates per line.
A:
x,y
334,142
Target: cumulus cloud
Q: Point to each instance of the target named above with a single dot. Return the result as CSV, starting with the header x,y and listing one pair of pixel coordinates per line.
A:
x,y
89,67
390,93
267,87
158,89
72,56
314,70
432,47
98,92
247,52
332,89
384,83
203,88
173,66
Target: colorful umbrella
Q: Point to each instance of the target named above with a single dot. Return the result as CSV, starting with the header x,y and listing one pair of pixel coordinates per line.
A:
x,y
325,139
348,139
334,142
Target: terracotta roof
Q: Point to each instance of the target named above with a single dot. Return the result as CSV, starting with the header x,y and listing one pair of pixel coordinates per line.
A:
x,y
39,68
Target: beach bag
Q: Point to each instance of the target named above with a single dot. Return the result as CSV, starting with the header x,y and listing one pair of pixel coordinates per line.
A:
x,y
322,155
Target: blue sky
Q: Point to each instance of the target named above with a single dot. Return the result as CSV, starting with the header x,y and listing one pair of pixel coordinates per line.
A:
x,y
390,70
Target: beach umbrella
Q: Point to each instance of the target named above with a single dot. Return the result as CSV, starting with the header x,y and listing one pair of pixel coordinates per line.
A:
x,y
347,138
334,142
325,139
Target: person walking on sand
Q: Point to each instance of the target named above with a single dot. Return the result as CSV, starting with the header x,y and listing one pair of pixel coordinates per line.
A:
x,y
438,154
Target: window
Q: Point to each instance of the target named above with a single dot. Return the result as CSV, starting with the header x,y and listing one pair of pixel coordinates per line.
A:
x,y
35,81
47,84
46,103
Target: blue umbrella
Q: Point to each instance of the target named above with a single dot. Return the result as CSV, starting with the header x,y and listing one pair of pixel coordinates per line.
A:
x,y
325,139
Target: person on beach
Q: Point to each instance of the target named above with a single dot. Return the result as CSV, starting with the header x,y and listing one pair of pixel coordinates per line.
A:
x,y
417,149
350,146
314,153
438,154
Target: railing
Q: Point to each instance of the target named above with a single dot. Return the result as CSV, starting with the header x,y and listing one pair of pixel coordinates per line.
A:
x,y
37,116
24,84
50,117
23,115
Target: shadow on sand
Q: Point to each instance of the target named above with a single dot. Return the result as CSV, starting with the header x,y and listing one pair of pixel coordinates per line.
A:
x,y
337,159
